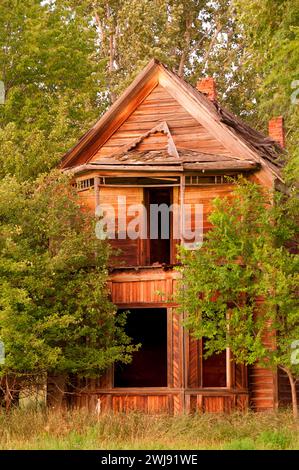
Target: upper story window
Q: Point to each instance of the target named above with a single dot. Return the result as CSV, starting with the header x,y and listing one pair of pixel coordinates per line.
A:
x,y
159,230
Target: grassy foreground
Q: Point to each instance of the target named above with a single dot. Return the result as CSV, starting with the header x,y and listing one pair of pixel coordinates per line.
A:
x,y
27,429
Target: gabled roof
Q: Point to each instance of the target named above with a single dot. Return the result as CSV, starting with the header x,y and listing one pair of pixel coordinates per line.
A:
x,y
239,138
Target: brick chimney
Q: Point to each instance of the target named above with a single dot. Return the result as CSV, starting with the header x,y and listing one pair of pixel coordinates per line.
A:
x,y
208,87
276,130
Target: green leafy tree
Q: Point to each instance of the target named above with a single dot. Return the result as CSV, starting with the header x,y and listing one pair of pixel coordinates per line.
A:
x,y
239,291
64,61
55,314
188,36
54,87
270,30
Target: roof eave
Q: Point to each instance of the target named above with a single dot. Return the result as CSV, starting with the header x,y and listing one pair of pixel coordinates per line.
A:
x,y
242,167
143,76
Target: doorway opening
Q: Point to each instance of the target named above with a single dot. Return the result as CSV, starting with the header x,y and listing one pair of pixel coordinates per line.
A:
x,y
158,202
148,368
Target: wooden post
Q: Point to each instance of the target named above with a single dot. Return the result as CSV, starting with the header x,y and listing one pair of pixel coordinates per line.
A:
x,y
97,191
228,359
228,368
184,363
182,201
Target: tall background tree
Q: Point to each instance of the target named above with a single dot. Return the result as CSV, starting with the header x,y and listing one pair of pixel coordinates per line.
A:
x,y
63,62
270,30
52,82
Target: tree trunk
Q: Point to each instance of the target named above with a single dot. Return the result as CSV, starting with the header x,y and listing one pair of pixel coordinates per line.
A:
x,y
109,45
56,387
186,47
293,391
112,47
182,64
9,392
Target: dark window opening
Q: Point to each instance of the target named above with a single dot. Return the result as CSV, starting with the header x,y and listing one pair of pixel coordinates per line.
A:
x,y
214,369
159,225
149,365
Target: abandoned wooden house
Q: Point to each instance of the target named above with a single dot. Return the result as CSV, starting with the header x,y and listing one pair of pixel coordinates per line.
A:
x,y
166,142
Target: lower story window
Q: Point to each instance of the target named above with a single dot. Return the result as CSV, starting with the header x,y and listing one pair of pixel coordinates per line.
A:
x,y
213,369
148,368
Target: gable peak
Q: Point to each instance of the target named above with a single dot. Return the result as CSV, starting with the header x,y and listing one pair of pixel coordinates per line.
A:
x,y
163,128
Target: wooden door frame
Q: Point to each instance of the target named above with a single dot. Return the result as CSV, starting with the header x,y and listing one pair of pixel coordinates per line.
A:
x,y
144,251
169,355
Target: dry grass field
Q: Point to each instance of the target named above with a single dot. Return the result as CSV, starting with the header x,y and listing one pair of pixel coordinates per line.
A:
x,y
31,429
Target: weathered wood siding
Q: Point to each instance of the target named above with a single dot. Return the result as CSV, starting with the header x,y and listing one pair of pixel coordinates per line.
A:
x,y
160,106
263,381
263,388
284,389
148,286
216,402
193,363
150,402
129,254
204,195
